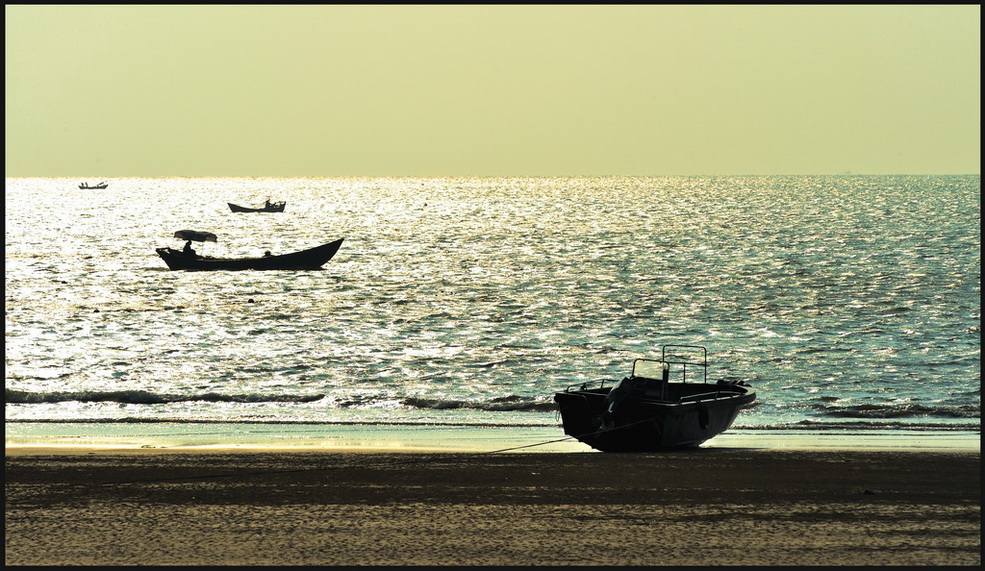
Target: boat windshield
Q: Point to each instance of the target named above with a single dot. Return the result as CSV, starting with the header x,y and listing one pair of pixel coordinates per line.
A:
x,y
650,368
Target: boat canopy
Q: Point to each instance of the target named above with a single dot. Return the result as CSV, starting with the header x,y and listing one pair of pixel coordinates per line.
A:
x,y
195,236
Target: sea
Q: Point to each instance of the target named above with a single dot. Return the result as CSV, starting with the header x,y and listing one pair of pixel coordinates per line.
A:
x,y
460,305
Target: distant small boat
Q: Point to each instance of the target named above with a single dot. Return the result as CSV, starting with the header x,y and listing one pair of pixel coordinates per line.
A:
x,y
100,186
310,259
646,412
267,207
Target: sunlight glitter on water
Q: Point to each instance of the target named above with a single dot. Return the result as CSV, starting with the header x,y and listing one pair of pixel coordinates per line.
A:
x,y
479,291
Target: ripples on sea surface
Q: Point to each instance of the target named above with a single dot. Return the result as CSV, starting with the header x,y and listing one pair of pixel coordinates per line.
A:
x,y
848,301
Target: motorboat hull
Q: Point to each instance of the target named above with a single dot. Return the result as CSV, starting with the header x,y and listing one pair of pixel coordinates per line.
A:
x,y
642,425
647,411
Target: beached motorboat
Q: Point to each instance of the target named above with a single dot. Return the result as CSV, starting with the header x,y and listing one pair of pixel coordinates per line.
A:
x,y
100,186
267,207
310,259
647,411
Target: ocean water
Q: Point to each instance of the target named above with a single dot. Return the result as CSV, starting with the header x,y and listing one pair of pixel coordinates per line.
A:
x,y
848,302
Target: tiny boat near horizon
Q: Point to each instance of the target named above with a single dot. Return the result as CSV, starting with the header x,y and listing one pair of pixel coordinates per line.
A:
x,y
647,412
100,186
267,207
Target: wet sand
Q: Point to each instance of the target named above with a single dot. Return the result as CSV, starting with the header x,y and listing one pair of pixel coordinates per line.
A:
x,y
283,507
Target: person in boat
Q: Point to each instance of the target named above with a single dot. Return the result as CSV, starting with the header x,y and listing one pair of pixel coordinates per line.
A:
x,y
267,204
188,250
267,254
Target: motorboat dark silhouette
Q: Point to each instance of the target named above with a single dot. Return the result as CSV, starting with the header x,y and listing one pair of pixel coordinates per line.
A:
x,y
647,411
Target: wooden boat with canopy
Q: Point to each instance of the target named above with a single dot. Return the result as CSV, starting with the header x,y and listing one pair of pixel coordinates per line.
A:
x,y
188,259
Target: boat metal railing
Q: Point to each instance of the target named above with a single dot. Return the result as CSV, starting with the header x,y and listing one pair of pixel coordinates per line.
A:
x,y
587,385
674,363
666,361
684,363
706,396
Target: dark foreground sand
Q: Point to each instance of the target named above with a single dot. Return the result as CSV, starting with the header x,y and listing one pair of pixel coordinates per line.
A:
x,y
704,507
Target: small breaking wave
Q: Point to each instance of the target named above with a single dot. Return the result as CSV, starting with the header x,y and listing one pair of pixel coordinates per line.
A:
x,y
14,396
908,410
141,397
869,425
509,403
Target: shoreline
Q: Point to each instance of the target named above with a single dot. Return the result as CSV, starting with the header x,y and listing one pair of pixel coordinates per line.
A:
x,y
25,436
708,506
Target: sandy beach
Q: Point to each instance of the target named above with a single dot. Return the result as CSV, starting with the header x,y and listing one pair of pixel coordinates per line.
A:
x,y
75,506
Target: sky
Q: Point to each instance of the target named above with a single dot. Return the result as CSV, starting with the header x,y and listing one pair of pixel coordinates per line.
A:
x,y
491,90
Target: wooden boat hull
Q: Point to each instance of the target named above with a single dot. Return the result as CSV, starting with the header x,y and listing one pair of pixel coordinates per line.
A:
x,y
642,425
276,207
311,259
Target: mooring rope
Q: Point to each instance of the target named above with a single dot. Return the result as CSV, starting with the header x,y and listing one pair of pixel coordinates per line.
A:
x,y
326,468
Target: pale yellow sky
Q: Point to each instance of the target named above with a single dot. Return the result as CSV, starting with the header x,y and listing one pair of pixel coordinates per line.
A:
x,y
507,90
